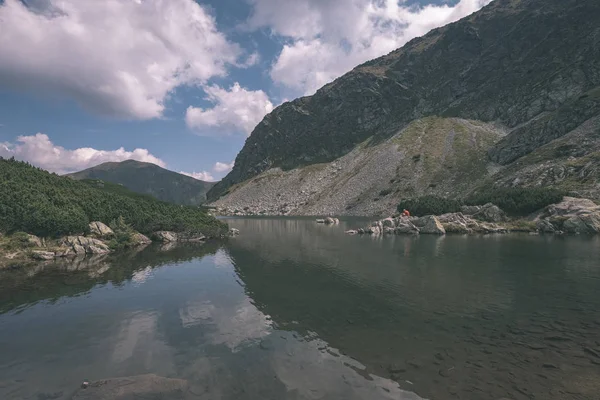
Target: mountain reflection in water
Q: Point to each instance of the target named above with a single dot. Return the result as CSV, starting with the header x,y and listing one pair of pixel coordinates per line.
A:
x,y
292,309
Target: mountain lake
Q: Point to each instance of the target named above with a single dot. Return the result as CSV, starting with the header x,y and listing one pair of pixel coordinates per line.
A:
x,y
292,309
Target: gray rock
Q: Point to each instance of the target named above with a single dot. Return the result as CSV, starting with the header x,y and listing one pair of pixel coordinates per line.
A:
x,y
351,232
85,245
545,226
234,232
138,239
490,213
320,221
430,224
99,229
571,206
147,387
34,241
584,224
389,223
470,210
405,228
42,255
165,236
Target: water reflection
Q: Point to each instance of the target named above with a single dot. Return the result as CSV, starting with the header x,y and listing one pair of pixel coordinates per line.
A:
x,y
295,310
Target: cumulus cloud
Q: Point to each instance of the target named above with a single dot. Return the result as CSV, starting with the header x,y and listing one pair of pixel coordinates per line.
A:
x,y
203,176
330,37
235,110
40,151
223,167
219,168
115,57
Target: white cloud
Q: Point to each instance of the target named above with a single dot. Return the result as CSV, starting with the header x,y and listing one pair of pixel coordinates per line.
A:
x,y
116,57
223,167
235,110
330,37
40,151
203,176
219,168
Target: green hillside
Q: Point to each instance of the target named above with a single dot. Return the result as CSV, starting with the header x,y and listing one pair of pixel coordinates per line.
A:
x,y
150,179
45,204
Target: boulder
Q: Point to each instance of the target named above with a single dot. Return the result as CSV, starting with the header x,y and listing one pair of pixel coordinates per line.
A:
x,y
34,241
99,229
331,221
147,387
405,227
85,245
190,237
430,224
389,223
490,213
458,223
488,228
571,206
545,226
388,230
42,255
234,232
470,210
137,239
351,232
452,227
320,221
375,230
583,224
165,236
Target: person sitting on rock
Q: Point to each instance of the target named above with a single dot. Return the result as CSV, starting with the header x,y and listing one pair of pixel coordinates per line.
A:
x,y
405,213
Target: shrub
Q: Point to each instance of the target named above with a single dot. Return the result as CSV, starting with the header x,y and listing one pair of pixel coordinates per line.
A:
x,y
518,201
427,205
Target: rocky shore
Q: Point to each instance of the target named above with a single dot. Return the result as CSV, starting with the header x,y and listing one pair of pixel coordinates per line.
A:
x,y
571,216
23,247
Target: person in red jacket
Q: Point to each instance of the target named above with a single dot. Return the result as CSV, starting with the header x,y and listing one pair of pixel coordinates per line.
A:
x,y
405,213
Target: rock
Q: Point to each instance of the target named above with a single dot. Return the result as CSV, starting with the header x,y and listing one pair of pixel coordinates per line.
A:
x,y
406,227
148,387
571,206
42,255
351,232
375,230
545,226
234,232
430,224
458,223
34,241
584,224
389,223
491,228
99,229
470,210
85,245
165,236
189,237
137,239
320,221
451,227
387,230
490,213
331,221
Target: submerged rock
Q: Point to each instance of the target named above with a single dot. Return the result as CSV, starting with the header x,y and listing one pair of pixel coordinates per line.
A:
x,y
234,232
147,387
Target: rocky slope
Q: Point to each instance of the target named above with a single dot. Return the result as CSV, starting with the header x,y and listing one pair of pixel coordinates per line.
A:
x,y
527,70
150,179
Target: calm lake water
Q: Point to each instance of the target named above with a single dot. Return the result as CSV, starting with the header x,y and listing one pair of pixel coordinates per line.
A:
x,y
295,310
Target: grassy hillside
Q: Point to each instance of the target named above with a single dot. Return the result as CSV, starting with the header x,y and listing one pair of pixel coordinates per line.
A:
x,y
149,179
45,204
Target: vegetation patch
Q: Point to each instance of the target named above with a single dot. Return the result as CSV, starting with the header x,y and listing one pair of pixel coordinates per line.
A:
x,y
48,205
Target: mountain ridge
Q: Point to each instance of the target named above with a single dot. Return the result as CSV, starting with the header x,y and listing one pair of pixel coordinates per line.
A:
x,y
527,66
151,179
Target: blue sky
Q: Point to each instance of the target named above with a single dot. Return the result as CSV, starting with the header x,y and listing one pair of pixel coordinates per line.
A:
x,y
180,83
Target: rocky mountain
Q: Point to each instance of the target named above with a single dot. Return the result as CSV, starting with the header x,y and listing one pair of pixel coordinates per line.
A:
x,y
147,178
509,95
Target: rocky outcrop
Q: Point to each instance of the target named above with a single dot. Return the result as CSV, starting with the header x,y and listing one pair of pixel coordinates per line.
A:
x,y
429,224
83,245
572,216
148,387
100,229
34,241
488,212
